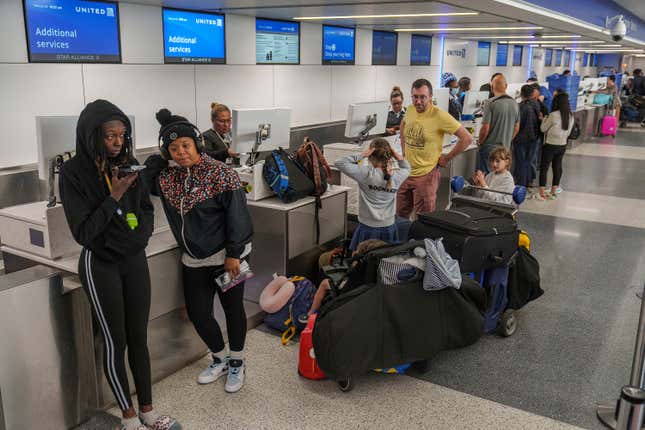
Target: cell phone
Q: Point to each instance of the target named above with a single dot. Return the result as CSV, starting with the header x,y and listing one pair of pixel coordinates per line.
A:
x,y
129,170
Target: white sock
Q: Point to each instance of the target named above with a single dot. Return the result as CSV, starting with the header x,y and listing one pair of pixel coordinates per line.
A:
x,y
222,355
130,423
237,355
149,418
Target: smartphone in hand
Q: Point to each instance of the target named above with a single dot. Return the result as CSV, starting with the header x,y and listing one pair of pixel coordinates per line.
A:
x,y
130,170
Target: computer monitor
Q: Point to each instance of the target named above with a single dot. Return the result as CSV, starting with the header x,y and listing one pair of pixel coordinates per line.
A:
x,y
474,102
441,98
56,135
514,90
364,119
256,130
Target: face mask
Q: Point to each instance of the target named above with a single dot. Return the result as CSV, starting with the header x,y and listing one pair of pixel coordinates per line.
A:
x,y
454,91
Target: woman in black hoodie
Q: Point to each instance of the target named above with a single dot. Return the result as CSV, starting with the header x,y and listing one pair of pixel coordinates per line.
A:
x,y
112,218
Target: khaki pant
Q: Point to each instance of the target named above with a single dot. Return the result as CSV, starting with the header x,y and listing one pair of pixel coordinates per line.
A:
x,y
418,193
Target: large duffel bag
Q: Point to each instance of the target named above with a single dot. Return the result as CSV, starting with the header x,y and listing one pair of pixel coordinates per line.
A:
x,y
375,326
478,238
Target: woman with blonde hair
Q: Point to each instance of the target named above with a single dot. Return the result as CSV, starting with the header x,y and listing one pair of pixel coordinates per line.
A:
x,y
396,113
378,182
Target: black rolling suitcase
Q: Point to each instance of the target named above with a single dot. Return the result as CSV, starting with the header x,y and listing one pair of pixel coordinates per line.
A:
x,y
479,239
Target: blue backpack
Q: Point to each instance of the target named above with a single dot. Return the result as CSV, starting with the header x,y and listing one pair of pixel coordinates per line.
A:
x,y
286,177
292,318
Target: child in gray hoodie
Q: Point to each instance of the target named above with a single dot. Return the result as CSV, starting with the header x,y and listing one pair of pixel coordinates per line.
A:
x,y
378,182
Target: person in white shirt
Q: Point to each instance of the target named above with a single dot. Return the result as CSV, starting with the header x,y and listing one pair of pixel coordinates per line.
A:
x,y
499,178
556,128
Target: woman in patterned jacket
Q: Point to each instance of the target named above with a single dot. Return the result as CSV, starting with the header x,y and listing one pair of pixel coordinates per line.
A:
x,y
205,204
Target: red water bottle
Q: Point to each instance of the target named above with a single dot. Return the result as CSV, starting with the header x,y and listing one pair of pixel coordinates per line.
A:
x,y
307,364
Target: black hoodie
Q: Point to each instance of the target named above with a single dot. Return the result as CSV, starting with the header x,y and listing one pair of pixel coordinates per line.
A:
x,y
96,220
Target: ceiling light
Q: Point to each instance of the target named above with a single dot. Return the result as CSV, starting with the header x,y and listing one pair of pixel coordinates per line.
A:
x,y
443,30
612,50
520,37
550,14
571,36
608,46
550,42
401,15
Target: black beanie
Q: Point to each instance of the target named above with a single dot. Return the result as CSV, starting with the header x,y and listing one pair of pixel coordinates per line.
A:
x,y
173,127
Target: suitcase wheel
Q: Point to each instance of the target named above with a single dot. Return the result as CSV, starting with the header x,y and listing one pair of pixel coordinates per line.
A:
x,y
507,323
346,384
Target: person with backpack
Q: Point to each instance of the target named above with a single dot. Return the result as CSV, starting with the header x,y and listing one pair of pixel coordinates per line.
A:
x,y
205,204
556,128
378,184
112,218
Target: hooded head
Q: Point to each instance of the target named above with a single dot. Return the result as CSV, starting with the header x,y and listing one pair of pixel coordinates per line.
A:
x,y
90,138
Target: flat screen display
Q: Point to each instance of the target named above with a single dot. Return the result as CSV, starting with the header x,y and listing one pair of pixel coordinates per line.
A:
x,y
567,58
339,45
518,50
72,31
585,60
420,49
502,55
558,57
384,48
548,56
483,53
193,37
277,42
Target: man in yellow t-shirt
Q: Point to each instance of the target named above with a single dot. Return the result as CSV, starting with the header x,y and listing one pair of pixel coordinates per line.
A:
x,y
422,132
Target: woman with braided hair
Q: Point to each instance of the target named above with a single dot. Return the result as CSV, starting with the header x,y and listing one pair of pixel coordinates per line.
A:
x,y
379,171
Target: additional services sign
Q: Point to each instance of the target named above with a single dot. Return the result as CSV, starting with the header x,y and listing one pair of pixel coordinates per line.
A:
x,y
193,37
72,31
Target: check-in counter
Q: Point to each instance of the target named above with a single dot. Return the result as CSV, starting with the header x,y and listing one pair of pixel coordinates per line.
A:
x,y
52,371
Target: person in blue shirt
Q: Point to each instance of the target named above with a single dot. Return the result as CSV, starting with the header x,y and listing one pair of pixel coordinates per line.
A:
x,y
464,87
448,80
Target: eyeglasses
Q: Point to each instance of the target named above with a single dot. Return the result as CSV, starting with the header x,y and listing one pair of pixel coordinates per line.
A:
x,y
113,137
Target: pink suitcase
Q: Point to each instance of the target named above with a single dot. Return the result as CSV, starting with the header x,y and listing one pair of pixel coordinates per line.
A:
x,y
608,126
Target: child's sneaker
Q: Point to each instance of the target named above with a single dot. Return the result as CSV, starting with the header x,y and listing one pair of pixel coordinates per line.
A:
x,y
552,196
214,370
235,377
558,190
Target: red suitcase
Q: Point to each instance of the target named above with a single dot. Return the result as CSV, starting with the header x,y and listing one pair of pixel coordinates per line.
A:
x,y
307,364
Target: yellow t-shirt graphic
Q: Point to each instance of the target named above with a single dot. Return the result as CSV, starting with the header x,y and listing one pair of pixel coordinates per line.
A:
x,y
423,136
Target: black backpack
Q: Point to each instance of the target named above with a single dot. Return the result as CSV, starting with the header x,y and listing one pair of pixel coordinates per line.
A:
x,y
286,177
575,131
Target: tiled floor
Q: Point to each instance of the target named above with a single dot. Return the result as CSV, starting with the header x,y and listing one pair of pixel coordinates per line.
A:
x,y
573,346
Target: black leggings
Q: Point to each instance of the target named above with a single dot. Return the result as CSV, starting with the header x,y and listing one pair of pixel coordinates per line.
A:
x,y
552,154
119,294
199,293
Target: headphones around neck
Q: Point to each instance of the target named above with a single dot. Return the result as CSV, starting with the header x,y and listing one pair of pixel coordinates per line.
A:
x,y
199,140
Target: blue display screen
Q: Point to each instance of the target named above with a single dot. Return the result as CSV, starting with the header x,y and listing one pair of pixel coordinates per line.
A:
x,y
421,47
595,60
384,48
72,31
483,53
585,60
518,50
277,42
567,58
548,57
338,45
193,37
502,55
558,57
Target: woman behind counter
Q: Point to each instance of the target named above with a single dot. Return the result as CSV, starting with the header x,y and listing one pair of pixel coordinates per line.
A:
x,y
396,113
217,140
206,209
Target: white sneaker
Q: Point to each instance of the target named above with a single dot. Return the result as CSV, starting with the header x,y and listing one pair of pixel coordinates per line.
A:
x,y
214,370
235,377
